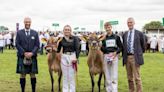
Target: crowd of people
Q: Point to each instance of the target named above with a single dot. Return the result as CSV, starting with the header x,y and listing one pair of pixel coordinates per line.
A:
x,y
7,40
155,44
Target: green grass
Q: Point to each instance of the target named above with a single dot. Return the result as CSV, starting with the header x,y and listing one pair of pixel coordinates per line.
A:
x,y
152,73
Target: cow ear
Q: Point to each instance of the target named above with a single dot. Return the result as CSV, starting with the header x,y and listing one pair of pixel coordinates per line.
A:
x,y
84,38
59,39
44,39
102,37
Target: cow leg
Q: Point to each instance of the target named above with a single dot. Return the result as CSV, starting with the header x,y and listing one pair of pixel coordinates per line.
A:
x,y
92,80
104,81
52,80
99,82
59,80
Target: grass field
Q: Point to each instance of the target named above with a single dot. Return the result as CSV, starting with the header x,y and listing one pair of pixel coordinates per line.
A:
x,y
152,73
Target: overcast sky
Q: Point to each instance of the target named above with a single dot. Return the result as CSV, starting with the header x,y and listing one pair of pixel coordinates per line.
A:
x,y
82,13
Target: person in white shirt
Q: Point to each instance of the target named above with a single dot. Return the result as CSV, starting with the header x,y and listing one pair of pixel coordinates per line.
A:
x,y
60,35
1,42
162,45
47,35
14,39
8,40
42,39
5,40
83,46
153,43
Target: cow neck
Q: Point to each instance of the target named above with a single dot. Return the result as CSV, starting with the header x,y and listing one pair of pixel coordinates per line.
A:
x,y
93,53
53,55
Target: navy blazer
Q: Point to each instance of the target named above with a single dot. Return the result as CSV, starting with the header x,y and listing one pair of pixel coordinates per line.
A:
x,y
139,47
27,43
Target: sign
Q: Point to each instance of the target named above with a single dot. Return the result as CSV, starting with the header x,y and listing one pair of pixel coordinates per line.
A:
x,y
163,21
113,22
83,28
76,28
55,24
101,25
3,28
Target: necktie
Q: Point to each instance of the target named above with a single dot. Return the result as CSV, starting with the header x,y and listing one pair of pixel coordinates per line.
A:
x,y
129,42
27,33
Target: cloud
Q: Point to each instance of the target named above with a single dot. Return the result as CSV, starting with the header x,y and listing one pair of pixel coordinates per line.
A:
x,y
125,6
84,13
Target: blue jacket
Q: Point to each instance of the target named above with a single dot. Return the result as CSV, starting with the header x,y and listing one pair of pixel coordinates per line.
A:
x,y
27,43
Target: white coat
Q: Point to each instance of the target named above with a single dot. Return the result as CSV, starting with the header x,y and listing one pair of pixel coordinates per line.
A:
x,y
153,42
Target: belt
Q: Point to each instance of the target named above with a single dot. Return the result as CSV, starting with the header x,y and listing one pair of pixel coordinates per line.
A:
x,y
130,54
108,52
68,53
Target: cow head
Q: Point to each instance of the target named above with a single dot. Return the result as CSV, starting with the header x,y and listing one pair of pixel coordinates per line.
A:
x,y
52,44
94,42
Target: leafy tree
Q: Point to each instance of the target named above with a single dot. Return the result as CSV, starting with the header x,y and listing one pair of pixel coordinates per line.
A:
x,y
153,25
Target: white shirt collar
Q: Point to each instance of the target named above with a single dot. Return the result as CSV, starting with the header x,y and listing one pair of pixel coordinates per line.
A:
x,y
27,30
131,30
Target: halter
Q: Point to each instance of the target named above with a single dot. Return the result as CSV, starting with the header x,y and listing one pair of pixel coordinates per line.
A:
x,y
51,45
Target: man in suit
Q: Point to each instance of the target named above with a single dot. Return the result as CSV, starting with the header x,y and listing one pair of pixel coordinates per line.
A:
x,y
133,49
27,44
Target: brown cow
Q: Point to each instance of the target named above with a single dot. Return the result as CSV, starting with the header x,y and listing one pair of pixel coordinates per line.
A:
x,y
54,59
95,58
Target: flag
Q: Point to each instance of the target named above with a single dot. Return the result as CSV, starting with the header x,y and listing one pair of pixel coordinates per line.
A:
x,y
101,25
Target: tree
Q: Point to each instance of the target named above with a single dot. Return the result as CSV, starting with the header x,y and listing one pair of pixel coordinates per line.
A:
x,y
3,28
153,25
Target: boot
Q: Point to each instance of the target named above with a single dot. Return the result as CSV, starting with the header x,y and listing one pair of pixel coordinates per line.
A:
x,y
33,84
23,83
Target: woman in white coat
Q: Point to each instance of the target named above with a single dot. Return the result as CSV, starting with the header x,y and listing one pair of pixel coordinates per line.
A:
x,y
153,43
1,43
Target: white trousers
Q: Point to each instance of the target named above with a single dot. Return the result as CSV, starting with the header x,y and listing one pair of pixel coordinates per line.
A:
x,y
68,72
111,74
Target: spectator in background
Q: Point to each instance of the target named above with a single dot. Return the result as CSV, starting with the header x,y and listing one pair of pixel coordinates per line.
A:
x,y
162,44
43,42
153,43
12,40
47,35
1,42
8,43
83,47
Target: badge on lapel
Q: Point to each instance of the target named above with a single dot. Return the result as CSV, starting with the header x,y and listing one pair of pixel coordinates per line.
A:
x,y
33,37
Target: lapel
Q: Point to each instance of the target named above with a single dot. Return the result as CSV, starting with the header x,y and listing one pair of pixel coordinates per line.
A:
x,y
135,37
30,35
126,37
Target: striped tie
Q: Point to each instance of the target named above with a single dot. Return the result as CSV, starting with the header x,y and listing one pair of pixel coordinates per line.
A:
x,y
27,33
129,42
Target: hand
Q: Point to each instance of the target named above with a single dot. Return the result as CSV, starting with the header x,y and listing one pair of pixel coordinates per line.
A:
x,y
74,61
114,55
28,55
